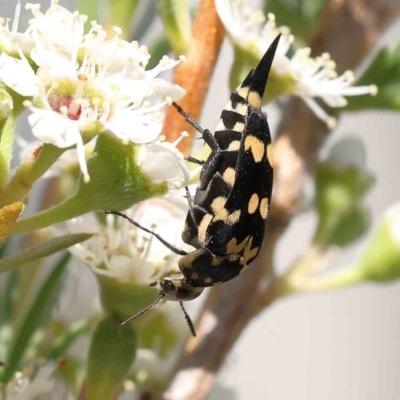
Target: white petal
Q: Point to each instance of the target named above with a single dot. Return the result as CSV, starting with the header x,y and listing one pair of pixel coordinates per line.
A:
x,y
18,75
59,29
163,65
165,89
12,41
56,64
116,53
164,162
121,267
51,127
226,10
136,128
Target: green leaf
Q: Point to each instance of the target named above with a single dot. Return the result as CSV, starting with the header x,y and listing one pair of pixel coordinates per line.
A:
x,y
384,72
116,183
301,16
34,318
8,296
351,227
42,250
111,354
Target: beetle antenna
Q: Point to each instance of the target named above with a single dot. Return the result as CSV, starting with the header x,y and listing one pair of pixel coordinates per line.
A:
x,y
188,320
144,310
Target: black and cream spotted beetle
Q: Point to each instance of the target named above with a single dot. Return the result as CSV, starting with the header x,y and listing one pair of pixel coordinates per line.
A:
x,y
227,216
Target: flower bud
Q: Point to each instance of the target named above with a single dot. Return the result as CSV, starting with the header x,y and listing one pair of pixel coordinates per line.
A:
x,y
8,215
381,260
341,185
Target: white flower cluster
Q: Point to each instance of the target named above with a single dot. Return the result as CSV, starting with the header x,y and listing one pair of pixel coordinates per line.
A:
x,y
81,84
120,250
312,77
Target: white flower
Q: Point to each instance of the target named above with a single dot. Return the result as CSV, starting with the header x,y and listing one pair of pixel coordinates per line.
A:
x,y
12,41
120,250
30,384
162,161
57,30
85,85
311,77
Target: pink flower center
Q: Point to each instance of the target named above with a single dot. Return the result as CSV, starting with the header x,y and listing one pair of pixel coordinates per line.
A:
x,y
61,101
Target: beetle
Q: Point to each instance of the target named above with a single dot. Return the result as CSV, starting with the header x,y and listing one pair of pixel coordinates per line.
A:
x,y
228,214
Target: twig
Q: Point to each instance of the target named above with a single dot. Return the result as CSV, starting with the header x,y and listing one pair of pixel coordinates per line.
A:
x,y
194,74
231,306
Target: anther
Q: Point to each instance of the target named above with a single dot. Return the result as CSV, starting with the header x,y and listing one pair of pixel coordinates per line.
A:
x,y
331,122
373,89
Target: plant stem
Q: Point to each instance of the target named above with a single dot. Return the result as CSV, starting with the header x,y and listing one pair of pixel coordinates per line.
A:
x,y
194,74
337,280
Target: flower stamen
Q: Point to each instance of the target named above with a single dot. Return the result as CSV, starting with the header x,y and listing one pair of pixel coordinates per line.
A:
x,y
17,14
75,105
